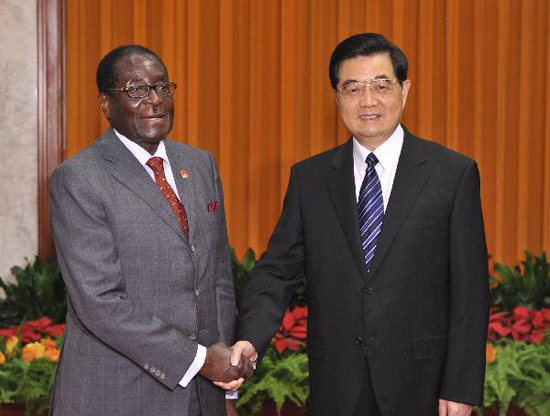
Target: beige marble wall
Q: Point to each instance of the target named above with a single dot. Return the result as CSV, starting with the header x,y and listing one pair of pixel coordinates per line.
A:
x,y
18,133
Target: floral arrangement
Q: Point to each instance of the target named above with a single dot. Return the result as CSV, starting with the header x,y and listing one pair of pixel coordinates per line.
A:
x,y
522,324
28,357
518,349
518,375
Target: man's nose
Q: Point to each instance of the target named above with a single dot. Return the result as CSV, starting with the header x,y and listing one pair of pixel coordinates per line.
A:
x,y
367,98
154,97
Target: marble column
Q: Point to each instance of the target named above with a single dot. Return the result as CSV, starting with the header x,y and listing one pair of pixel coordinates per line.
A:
x,y
18,134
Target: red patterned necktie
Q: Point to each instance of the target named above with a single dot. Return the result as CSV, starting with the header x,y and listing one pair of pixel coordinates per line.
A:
x,y
157,165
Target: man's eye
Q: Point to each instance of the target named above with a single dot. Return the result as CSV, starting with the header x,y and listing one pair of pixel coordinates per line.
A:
x,y
353,89
137,88
162,87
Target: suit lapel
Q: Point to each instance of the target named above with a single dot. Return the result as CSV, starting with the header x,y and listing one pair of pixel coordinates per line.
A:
x,y
131,173
187,188
341,185
411,175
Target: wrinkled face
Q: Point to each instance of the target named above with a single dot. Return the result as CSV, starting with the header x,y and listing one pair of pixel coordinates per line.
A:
x,y
145,121
371,118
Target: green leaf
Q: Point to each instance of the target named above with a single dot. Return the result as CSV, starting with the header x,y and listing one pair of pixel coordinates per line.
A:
x,y
526,284
520,375
249,260
38,291
278,378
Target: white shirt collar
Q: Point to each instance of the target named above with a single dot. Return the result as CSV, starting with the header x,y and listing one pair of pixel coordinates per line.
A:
x,y
140,153
387,153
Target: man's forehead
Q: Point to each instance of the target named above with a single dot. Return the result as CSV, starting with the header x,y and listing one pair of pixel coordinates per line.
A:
x,y
377,65
139,65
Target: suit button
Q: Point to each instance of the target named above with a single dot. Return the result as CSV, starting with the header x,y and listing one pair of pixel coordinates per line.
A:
x,y
197,291
358,340
157,373
162,376
146,366
152,369
192,248
192,336
368,290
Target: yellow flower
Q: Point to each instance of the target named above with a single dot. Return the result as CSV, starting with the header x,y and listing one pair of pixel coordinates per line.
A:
x,y
52,355
2,358
490,354
11,342
33,351
48,343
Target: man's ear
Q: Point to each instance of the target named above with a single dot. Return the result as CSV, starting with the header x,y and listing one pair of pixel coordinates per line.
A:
x,y
105,103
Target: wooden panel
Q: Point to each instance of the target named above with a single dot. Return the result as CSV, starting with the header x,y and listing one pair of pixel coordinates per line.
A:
x,y
253,89
51,116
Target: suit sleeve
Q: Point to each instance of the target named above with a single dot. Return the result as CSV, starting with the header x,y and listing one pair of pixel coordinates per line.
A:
x,y
225,292
273,279
464,373
92,273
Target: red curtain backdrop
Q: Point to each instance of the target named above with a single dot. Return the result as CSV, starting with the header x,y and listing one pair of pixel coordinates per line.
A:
x,y
253,89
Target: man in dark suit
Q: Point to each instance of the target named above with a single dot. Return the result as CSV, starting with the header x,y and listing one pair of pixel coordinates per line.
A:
x,y
140,234
388,230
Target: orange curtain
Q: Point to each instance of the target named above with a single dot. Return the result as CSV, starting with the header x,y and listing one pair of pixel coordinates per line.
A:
x,y
253,89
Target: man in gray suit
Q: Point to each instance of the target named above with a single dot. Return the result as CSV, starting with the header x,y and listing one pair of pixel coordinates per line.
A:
x,y
140,232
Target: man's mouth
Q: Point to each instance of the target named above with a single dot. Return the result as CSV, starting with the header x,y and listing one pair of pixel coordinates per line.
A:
x,y
369,117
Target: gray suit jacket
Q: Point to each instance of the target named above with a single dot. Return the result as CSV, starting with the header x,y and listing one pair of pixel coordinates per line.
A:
x,y
141,294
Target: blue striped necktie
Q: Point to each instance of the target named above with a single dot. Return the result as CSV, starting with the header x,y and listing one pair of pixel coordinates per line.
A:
x,y
371,210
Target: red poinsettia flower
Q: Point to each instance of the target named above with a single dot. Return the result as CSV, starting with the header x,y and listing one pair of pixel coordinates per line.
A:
x,y
293,331
7,332
55,330
523,324
39,324
33,331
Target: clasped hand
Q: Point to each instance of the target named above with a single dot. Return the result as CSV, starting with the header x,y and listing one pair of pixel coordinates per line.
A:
x,y
218,367
242,350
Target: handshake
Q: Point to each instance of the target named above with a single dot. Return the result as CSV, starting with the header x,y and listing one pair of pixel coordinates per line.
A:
x,y
228,367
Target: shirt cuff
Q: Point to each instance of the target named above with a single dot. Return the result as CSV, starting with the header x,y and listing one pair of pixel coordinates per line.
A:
x,y
231,395
195,366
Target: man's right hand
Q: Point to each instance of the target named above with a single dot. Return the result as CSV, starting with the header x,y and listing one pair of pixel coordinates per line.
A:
x,y
243,348
241,351
217,365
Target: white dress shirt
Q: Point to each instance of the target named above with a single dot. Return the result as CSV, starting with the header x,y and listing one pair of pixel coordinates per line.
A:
x,y
388,156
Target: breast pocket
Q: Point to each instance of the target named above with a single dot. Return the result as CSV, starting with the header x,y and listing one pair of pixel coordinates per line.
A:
x,y
425,222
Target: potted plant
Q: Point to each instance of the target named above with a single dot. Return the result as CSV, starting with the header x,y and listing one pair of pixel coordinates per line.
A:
x,y
28,357
38,291
517,378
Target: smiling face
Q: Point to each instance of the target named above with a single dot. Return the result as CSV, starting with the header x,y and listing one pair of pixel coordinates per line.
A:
x,y
371,119
145,121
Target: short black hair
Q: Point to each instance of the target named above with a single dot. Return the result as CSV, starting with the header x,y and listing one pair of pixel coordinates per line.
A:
x,y
367,44
107,75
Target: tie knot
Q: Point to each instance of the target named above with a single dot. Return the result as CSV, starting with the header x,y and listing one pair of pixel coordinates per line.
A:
x,y
156,164
371,160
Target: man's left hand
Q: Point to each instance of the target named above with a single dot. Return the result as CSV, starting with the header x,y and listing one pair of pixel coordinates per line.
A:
x,y
448,408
